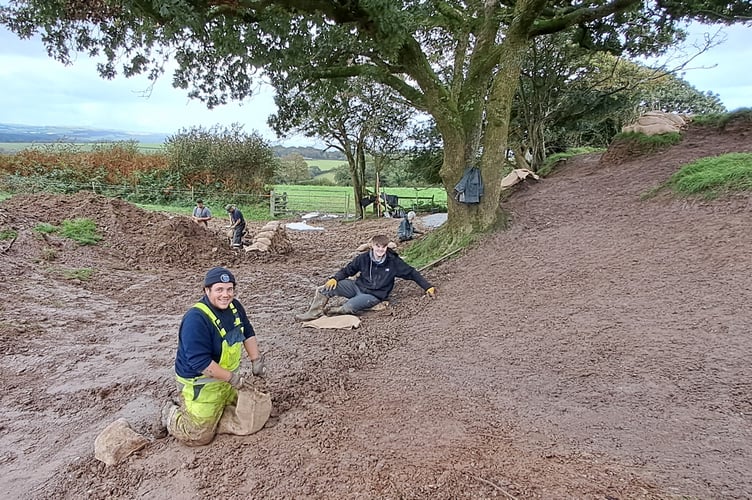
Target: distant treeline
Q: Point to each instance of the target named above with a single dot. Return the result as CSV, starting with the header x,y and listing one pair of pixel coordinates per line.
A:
x,y
308,153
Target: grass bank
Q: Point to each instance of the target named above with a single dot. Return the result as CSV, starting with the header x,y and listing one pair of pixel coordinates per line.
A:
x,y
713,176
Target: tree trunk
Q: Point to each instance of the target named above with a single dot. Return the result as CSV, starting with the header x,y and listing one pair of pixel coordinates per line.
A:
x,y
466,219
357,182
537,143
361,171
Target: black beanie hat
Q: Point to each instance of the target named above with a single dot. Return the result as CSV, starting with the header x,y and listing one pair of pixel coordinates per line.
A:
x,y
218,275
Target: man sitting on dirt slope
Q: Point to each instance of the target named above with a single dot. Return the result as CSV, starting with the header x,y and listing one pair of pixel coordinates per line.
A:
x,y
212,336
376,270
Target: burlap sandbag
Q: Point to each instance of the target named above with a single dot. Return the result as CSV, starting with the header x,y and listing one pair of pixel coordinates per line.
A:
x,y
516,176
250,414
117,441
265,234
342,321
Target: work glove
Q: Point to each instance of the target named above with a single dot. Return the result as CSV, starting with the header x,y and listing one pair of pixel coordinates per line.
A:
x,y
431,292
330,284
258,366
236,380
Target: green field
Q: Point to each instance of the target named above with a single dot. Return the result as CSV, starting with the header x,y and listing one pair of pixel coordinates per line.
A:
x,y
339,199
325,165
404,193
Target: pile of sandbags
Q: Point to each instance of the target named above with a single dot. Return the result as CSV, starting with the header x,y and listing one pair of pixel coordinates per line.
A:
x,y
270,238
656,123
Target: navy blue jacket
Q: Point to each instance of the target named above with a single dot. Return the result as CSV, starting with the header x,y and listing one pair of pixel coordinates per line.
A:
x,y
378,279
199,342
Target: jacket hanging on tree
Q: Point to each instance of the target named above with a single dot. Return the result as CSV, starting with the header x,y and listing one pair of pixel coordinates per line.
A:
x,y
470,188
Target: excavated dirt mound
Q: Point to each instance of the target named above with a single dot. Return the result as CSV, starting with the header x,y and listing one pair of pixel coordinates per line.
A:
x,y
132,238
599,348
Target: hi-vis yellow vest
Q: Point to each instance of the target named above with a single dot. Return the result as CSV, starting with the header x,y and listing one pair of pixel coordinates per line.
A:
x,y
232,344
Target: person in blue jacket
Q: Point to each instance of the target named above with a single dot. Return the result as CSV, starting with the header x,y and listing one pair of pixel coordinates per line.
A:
x,y
212,336
376,271
407,229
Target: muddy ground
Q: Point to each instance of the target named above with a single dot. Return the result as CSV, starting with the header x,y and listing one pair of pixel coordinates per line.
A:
x,y
598,348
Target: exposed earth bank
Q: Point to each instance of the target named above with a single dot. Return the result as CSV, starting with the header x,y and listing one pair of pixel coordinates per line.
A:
x,y
599,348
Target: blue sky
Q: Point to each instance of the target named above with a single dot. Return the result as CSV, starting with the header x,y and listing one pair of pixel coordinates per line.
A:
x,y
36,90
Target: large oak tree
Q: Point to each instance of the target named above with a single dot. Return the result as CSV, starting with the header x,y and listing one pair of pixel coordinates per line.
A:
x,y
458,61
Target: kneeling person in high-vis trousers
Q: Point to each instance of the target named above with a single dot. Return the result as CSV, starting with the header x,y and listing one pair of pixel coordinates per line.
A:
x,y
213,334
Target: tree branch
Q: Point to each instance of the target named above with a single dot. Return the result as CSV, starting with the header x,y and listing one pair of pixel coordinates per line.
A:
x,y
579,16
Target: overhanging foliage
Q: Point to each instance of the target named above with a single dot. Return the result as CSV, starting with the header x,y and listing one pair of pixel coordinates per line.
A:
x,y
458,61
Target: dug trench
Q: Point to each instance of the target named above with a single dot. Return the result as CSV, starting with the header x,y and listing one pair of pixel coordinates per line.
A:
x,y
598,348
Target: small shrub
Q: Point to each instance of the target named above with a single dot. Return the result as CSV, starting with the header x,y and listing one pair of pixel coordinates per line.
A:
x,y
46,228
48,254
83,274
8,234
82,231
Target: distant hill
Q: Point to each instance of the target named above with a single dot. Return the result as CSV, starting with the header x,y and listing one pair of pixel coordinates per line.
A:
x,y
76,135
29,133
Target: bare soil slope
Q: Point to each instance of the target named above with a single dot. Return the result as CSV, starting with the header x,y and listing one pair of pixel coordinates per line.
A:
x,y
599,348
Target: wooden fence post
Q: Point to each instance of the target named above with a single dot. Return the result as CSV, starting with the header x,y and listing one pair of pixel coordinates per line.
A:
x,y
271,203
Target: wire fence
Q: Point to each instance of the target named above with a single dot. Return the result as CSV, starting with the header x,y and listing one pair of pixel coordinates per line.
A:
x,y
343,203
298,200
335,202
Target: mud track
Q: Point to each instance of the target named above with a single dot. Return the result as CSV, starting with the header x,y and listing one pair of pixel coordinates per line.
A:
x,y
599,348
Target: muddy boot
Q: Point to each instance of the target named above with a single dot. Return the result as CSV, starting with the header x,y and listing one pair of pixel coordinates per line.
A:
x,y
316,309
334,311
159,428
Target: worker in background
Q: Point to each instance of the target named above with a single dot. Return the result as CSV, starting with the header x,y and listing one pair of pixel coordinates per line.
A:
x,y
237,224
201,214
407,229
